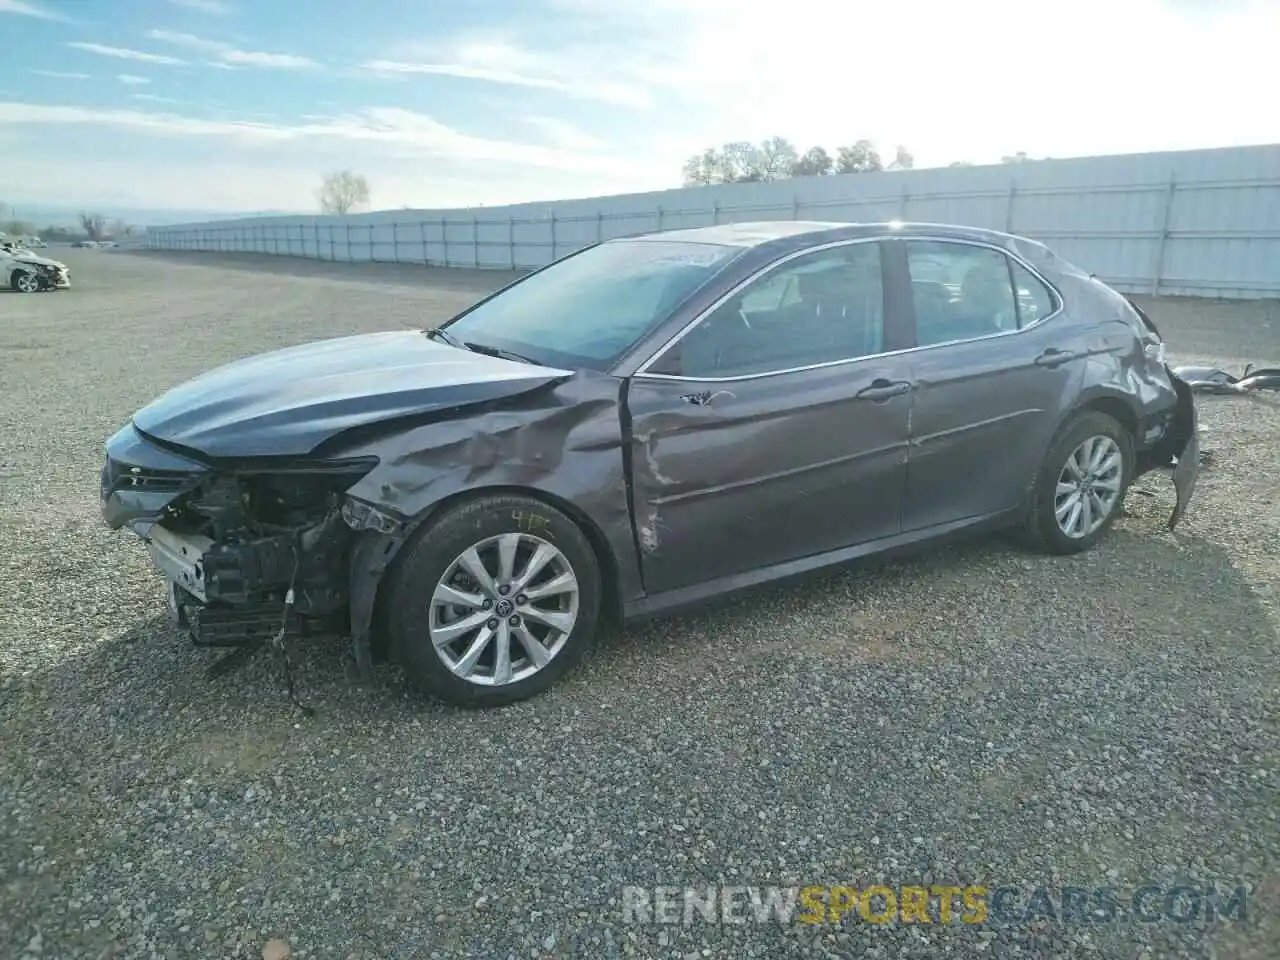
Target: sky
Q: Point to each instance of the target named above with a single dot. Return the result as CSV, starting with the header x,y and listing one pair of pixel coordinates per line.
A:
x,y
226,106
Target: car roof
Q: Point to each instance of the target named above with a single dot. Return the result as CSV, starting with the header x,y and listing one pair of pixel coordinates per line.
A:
x,y
759,233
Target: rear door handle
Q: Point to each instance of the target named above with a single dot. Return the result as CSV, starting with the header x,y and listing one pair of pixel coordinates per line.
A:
x,y
1053,357
881,389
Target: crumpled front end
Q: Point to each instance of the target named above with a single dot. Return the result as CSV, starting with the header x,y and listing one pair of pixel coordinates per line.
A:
x,y
240,544
52,274
58,278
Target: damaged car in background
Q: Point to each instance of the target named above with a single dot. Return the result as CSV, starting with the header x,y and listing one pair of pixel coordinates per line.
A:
x,y
644,424
27,272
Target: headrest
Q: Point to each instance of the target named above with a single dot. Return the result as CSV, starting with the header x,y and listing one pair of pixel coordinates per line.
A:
x,y
827,283
983,277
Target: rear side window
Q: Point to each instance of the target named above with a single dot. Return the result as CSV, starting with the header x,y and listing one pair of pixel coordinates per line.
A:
x,y
1035,301
961,291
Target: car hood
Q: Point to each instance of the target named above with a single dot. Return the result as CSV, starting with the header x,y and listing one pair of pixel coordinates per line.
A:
x,y
26,256
287,402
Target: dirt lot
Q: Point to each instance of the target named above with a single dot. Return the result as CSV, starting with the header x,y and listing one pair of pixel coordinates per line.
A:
x,y
975,715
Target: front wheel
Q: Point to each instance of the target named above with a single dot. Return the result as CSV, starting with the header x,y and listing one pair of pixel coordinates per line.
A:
x,y
494,602
1081,486
24,281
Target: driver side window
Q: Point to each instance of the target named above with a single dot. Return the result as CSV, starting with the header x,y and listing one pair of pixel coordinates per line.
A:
x,y
817,308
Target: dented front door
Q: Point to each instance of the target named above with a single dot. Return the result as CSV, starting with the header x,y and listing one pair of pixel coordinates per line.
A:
x,y
731,476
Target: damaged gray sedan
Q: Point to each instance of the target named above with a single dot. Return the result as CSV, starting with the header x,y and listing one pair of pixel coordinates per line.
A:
x,y
644,424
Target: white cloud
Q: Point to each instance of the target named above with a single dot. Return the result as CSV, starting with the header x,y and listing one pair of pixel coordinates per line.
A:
x,y
228,55
568,71
188,40
152,98
563,134
279,61
204,6
61,74
27,9
122,53
132,80
391,129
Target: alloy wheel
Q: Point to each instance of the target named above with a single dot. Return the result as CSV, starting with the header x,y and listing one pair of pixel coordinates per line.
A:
x,y
503,609
1089,487
28,283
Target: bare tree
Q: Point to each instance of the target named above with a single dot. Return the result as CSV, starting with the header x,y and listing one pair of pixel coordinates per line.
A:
x,y
342,191
94,224
741,162
815,163
861,157
701,169
778,157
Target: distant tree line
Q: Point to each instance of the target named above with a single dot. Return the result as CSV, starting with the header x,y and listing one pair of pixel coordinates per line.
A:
x,y
93,226
778,159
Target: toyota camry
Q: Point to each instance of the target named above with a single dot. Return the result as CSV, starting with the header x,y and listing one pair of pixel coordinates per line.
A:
x,y
646,423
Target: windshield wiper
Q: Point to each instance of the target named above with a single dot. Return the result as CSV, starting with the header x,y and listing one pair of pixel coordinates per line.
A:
x,y
499,352
446,337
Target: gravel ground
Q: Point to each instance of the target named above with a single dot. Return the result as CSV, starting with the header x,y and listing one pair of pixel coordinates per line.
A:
x,y
972,715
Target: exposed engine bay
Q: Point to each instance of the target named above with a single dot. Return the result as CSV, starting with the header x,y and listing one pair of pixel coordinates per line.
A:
x,y
239,545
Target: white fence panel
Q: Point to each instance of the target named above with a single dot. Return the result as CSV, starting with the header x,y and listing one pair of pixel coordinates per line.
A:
x,y
1196,223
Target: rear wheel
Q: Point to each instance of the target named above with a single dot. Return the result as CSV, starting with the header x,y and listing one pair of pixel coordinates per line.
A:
x,y
1081,485
25,281
494,602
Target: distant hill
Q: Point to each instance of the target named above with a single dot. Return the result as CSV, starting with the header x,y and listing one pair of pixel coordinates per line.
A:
x,y
48,215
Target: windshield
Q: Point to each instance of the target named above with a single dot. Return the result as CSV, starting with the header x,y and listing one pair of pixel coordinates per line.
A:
x,y
588,309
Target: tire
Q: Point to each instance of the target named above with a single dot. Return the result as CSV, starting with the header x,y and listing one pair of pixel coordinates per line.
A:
x,y
415,618
25,281
1042,530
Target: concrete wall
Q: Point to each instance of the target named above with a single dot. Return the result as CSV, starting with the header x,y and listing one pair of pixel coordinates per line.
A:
x,y
1198,223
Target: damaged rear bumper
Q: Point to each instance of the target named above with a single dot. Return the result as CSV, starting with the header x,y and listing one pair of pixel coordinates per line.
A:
x,y
1178,449
1186,457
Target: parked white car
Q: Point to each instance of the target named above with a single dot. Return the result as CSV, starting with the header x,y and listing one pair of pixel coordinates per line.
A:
x,y
28,272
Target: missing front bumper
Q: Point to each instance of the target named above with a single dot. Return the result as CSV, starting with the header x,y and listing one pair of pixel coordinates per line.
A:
x,y
224,625
181,559
225,594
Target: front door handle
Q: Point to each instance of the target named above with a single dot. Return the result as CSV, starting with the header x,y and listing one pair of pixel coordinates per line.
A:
x,y
1053,357
882,389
